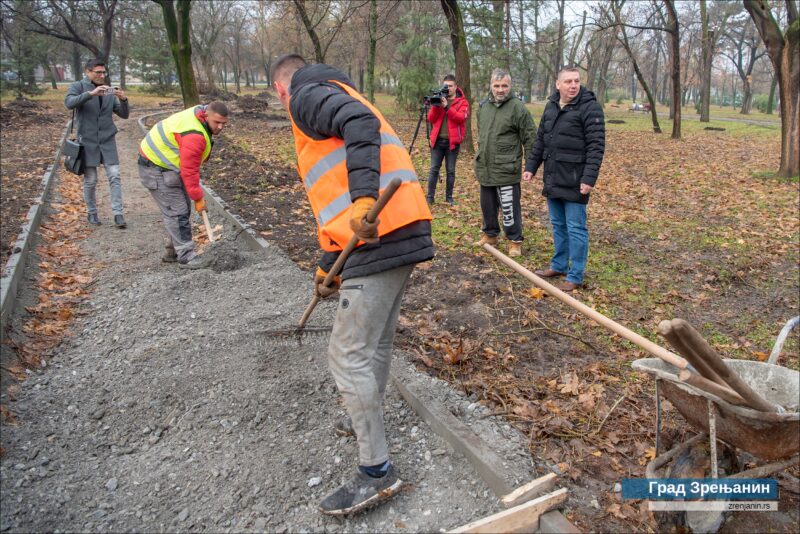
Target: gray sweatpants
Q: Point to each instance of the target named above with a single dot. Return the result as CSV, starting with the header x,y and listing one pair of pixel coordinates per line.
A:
x,y
114,185
360,353
166,188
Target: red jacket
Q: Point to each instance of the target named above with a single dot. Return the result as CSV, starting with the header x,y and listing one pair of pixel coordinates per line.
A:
x,y
457,114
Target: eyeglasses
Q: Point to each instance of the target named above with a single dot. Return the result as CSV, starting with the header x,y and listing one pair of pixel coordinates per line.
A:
x,y
100,72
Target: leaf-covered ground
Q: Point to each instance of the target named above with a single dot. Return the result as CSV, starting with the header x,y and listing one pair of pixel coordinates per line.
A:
x,y
695,228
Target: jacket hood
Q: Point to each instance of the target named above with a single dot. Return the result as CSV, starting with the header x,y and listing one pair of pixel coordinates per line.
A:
x,y
317,73
584,95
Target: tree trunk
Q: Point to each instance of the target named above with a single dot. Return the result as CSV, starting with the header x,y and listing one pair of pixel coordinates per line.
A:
x,y
707,56
123,68
373,41
458,39
747,95
771,101
784,52
559,59
675,53
178,25
301,10
77,68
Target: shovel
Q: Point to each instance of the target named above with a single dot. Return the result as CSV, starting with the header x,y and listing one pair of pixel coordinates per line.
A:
x,y
298,333
207,224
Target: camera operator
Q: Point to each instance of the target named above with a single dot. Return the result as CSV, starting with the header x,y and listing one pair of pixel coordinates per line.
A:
x,y
447,118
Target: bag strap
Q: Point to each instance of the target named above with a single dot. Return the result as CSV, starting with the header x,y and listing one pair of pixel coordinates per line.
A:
x,y
71,123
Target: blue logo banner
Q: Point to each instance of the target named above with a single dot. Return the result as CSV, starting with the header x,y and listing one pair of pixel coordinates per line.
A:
x,y
707,489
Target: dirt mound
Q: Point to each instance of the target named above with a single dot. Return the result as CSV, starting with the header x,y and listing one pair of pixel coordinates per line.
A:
x,y
218,94
250,103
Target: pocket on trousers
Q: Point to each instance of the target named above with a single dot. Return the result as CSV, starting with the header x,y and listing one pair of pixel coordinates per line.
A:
x,y
147,178
172,179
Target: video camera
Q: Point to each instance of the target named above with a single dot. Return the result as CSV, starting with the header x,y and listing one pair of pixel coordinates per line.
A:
x,y
436,96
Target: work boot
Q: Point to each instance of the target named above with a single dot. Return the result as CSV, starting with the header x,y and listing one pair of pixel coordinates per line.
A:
x,y
515,249
201,261
94,219
361,492
119,220
486,239
548,273
170,256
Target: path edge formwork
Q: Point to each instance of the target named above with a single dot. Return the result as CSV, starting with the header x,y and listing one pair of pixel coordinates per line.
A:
x,y
15,266
479,454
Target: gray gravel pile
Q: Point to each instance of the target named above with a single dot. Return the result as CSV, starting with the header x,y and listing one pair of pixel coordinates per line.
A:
x,y
165,412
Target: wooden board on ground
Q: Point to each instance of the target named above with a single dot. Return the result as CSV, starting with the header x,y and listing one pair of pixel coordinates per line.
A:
x,y
522,518
530,490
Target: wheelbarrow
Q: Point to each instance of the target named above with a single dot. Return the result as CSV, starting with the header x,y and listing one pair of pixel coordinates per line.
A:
x,y
770,436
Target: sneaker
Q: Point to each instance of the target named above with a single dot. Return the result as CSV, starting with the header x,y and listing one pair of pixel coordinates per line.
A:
x,y
94,219
198,262
515,249
119,220
361,492
486,239
451,201
344,427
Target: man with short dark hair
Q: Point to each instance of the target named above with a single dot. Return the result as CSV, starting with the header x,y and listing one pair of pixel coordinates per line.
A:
x,y
505,128
93,103
571,142
346,153
448,119
170,157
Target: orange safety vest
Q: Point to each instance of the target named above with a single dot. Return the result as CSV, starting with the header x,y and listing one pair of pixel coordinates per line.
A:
x,y
322,165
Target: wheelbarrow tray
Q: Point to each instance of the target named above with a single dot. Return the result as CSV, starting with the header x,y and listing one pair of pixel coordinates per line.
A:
x,y
769,436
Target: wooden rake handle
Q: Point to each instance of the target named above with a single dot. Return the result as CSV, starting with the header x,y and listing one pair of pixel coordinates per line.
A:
x,y
372,214
207,224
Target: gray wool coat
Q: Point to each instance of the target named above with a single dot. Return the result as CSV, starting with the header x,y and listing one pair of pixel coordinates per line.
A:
x,y
96,129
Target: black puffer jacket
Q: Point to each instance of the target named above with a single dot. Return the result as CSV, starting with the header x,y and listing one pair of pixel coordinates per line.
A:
x,y
570,142
323,110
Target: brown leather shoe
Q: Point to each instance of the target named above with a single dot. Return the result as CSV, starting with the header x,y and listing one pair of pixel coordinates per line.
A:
x,y
548,273
567,286
486,239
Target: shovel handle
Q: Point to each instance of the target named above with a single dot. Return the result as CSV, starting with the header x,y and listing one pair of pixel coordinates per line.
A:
x,y
372,214
209,231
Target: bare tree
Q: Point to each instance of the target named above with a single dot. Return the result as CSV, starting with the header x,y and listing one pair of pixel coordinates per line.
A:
x,y
212,17
783,48
745,51
455,22
710,40
178,24
326,19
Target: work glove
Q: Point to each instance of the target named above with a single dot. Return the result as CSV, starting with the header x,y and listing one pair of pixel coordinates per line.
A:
x,y
200,205
366,231
325,291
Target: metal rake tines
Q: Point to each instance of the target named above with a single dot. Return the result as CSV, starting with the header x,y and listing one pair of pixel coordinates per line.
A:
x,y
293,336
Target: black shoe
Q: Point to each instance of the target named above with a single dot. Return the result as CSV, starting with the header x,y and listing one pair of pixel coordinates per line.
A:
x,y
119,220
451,201
94,219
361,492
430,201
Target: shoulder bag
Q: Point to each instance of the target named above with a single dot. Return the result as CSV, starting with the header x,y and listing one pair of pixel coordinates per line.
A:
x,y
74,160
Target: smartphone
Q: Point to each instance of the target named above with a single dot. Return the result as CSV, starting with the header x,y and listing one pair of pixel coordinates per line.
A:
x,y
111,91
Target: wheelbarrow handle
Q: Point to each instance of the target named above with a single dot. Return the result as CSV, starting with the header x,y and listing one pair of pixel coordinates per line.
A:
x,y
372,214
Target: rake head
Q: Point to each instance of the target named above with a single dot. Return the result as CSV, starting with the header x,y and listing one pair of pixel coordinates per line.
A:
x,y
293,336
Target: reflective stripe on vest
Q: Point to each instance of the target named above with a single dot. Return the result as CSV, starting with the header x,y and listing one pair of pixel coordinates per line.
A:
x,y
160,146
322,165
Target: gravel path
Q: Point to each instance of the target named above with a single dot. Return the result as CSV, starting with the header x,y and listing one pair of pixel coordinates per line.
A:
x,y
165,412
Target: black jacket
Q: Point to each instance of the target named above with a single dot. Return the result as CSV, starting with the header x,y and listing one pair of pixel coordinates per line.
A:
x,y
570,142
323,110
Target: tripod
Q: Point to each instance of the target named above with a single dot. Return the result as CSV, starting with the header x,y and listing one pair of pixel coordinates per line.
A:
x,y
423,114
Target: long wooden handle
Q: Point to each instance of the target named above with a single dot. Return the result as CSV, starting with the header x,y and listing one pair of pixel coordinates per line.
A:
x,y
668,333
633,337
209,231
372,214
695,341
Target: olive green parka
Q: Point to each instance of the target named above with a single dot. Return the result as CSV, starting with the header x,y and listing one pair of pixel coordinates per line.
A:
x,y
504,129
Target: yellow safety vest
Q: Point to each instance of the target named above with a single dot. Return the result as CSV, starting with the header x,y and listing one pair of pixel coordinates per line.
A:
x,y
323,169
161,146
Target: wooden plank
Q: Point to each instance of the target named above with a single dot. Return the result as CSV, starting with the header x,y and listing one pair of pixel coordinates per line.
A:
x,y
522,518
530,490
485,461
553,522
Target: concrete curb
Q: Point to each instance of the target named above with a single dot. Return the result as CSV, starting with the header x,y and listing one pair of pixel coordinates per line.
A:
x,y
483,459
16,263
215,202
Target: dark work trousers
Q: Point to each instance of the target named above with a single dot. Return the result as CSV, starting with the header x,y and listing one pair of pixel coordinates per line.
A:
x,y
441,151
505,200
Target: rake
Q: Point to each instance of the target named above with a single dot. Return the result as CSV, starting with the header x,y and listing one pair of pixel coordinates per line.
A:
x,y
300,332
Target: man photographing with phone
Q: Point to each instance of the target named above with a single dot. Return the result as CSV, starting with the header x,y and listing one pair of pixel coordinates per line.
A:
x,y
447,117
94,102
